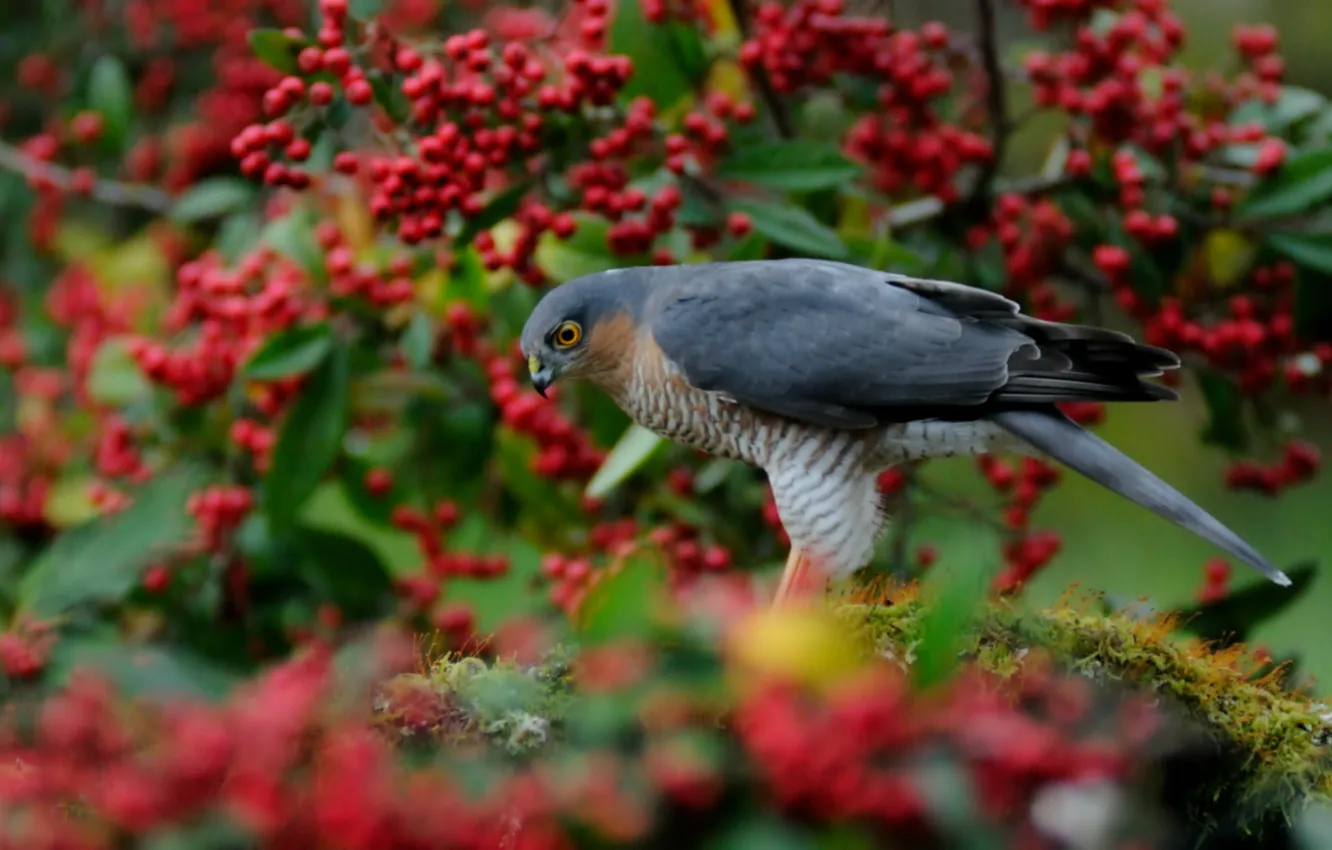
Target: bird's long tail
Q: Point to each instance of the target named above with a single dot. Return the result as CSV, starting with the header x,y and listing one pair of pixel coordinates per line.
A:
x,y
1053,433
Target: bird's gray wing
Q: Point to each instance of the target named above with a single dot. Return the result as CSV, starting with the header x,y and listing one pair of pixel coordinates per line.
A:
x,y
842,346
828,343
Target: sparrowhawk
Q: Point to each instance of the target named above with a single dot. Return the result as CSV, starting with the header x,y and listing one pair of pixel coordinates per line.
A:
x,y
823,374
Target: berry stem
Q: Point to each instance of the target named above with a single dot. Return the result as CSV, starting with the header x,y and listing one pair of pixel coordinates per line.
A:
x,y
112,192
996,100
781,119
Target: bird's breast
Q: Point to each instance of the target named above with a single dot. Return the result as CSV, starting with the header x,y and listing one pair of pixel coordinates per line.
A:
x,y
661,400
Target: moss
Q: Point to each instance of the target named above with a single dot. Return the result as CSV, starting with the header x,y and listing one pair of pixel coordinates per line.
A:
x,y
1274,743
460,701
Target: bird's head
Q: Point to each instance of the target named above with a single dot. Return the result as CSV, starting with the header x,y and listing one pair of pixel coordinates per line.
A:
x,y
582,328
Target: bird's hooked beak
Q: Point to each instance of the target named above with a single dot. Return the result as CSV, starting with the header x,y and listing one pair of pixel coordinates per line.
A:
x,y
542,375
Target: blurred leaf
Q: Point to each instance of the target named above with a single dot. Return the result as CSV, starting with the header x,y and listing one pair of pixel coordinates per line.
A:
x,y
762,832
795,165
793,227
141,670
388,95
954,591
1313,304
1225,412
467,279
1228,255
237,234
951,798
309,439
277,49
110,93
752,247
655,51
375,508
500,207
1235,616
294,351
1309,250
114,377
364,10
691,54
101,561
631,451
544,507
345,571
623,603
417,343
69,501
293,237
585,252
1302,182
1293,104
211,198
1148,279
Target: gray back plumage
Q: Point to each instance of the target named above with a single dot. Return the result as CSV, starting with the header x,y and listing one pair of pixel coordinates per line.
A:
x,y
843,346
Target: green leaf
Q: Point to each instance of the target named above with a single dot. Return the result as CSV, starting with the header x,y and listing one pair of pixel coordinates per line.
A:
x,y
345,571
1310,250
309,440
418,341
294,351
374,508
110,93
389,97
1293,105
631,451
500,207
217,196
1234,617
585,252
277,49
1225,412
101,561
1304,181
114,377
955,591
364,10
793,227
657,70
622,604
293,237
794,165
762,833
142,670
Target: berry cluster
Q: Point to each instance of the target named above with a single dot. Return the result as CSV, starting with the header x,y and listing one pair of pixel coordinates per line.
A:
x,y
904,142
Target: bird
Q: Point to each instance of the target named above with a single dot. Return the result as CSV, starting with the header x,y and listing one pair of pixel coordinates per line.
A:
x,y
823,374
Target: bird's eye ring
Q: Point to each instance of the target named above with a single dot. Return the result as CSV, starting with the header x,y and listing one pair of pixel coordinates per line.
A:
x,y
568,334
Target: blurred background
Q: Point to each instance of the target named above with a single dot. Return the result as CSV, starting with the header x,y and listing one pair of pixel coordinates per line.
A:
x,y
1110,544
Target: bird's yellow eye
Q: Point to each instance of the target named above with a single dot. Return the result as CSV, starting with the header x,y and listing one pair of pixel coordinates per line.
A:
x,y
568,334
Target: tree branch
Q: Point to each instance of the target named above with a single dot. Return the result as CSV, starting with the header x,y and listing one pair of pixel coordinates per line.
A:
x,y
995,98
111,192
776,107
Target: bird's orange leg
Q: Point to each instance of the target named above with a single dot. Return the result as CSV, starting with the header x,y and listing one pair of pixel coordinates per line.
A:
x,y
801,578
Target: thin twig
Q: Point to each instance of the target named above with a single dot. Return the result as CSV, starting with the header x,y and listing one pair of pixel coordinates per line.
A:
x,y
995,98
962,506
781,119
903,518
107,191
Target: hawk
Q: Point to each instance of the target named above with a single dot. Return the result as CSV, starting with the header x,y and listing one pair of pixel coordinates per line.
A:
x,y
823,374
